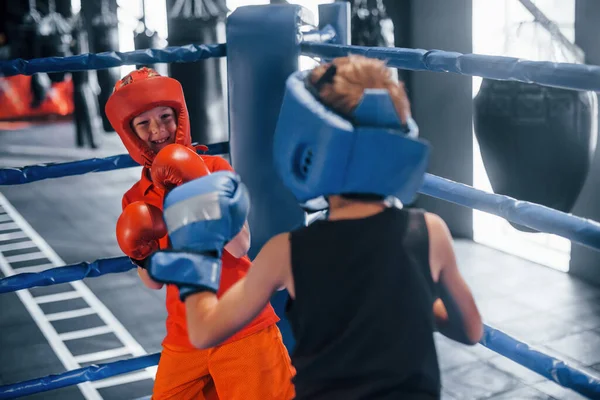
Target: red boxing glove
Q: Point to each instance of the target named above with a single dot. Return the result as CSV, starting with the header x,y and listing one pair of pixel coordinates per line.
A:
x,y
138,229
175,165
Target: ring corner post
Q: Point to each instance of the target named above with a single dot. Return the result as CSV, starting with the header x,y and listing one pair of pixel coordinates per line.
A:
x,y
338,15
263,49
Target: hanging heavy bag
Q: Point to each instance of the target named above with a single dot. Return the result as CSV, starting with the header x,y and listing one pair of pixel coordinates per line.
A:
x,y
537,143
54,34
199,23
63,7
149,39
27,47
104,35
371,25
86,110
40,88
26,43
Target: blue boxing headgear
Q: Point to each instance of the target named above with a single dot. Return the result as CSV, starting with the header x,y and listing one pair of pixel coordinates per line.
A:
x,y
319,153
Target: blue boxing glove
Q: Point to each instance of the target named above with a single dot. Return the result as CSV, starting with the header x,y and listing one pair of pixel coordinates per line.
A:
x,y
201,217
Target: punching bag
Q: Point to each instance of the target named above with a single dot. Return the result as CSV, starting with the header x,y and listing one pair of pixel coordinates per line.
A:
x,y
63,7
149,39
371,25
27,46
537,143
104,35
86,110
54,35
199,22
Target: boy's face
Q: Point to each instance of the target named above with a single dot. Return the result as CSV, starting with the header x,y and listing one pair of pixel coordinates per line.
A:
x,y
156,127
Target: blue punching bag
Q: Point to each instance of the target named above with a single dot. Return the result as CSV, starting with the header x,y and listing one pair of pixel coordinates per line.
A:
x,y
263,48
537,143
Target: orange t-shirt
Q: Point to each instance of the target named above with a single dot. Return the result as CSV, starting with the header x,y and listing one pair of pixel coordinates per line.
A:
x,y
233,268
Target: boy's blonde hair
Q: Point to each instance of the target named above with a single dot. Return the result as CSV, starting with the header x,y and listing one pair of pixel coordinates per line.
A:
x,y
355,74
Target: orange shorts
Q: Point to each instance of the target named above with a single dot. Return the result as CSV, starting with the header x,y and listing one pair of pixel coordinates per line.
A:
x,y
255,367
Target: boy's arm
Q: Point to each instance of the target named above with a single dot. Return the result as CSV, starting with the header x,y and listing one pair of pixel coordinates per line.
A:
x,y
147,281
239,245
456,313
210,320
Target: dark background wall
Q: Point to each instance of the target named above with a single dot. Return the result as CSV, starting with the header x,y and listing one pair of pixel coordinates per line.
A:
x,y
585,262
441,103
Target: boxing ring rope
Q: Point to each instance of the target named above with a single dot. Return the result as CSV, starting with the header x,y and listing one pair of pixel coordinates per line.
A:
x,y
564,75
495,340
534,216
34,173
549,367
65,274
77,376
569,76
110,59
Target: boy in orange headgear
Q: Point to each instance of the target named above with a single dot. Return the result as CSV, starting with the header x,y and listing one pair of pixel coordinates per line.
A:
x,y
149,113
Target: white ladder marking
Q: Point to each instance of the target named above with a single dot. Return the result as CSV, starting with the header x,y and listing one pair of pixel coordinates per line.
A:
x,y
24,257
53,298
83,333
18,246
60,349
59,316
102,355
35,268
81,290
122,379
7,225
13,235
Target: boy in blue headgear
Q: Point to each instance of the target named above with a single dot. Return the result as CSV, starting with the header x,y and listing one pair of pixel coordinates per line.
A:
x,y
370,284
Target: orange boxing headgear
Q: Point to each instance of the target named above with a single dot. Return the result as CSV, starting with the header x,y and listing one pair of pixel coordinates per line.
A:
x,y
138,92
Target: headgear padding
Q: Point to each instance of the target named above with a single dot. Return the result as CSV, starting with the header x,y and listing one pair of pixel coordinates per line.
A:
x,y
319,153
140,91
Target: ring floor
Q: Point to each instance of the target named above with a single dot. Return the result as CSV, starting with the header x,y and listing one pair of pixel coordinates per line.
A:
x,y
114,317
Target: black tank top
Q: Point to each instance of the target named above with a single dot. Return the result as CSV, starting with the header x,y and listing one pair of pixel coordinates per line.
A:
x,y
363,313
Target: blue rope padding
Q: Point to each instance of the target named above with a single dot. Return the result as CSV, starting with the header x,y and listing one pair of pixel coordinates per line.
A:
x,y
551,368
534,216
110,59
33,173
562,75
64,274
325,35
77,376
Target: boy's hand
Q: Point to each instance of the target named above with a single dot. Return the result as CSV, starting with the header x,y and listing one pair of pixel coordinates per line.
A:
x,y
202,216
